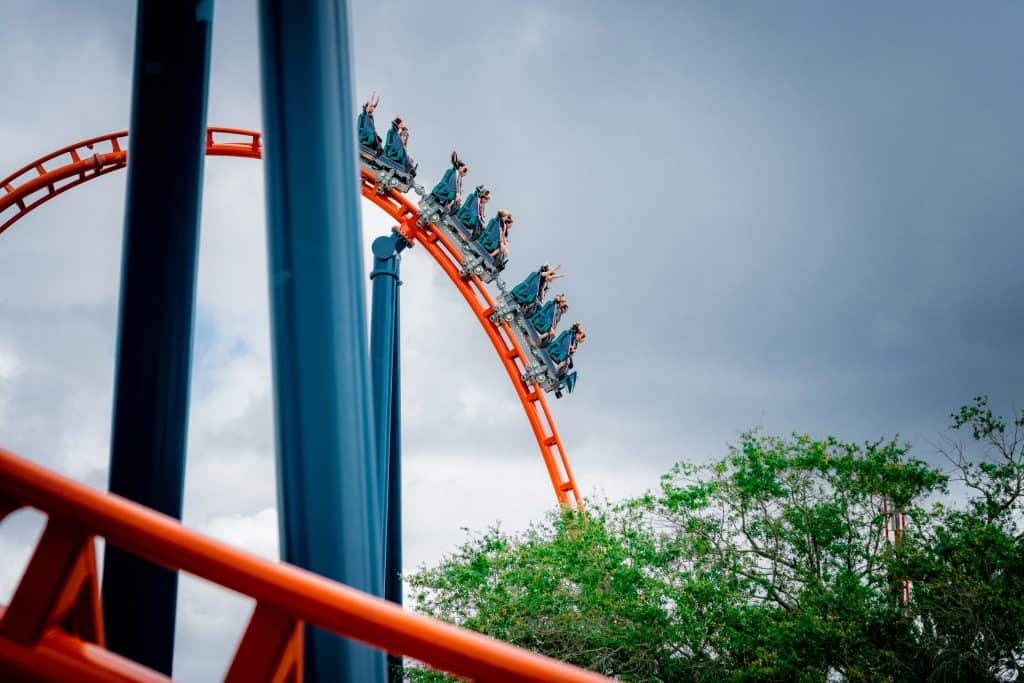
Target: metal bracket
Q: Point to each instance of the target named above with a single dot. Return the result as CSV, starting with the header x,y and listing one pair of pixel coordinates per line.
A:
x,y
431,212
505,308
390,179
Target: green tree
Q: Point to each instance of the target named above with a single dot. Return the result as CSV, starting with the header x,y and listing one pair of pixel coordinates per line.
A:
x,y
967,568
769,565
577,587
796,524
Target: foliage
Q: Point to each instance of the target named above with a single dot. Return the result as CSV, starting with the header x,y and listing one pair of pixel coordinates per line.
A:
x,y
574,585
968,570
771,564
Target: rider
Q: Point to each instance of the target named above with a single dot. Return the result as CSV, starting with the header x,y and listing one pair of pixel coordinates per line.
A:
x,y
531,291
561,350
367,132
494,239
448,192
471,214
545,322
394,146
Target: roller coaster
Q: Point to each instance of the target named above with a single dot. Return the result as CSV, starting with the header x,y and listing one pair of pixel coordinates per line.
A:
x,y
503,321
59,625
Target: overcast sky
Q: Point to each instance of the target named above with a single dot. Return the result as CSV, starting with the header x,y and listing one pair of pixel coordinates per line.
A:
x,y
793,215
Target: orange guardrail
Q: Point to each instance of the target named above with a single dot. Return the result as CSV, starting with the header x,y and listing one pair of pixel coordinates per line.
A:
x,y
53,628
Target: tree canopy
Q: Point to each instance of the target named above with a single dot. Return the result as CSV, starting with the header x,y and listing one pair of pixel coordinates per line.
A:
x,y
771,564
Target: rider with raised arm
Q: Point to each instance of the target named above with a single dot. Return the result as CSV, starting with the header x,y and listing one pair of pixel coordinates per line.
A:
x,y
367,131
394,146
545,321
531,292
471,214
448,192
494,239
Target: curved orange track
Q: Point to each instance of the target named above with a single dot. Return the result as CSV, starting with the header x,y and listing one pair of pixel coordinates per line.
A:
x,y
49,176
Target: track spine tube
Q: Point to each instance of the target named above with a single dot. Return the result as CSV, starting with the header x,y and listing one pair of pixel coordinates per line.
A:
x,y
329,498
384,280
393,586
385,354
158,281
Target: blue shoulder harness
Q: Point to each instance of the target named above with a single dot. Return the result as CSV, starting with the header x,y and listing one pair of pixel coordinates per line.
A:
x,y
469,214
526,291
491,237
544,318
444,191
558,350
367,131
393,147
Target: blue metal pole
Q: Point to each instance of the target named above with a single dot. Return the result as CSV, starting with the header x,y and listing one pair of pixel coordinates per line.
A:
x,y
158,280
393,542
329,500
382,348
385,360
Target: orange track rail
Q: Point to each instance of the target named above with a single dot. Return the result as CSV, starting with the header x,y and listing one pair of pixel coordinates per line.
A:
x,y
47,177
70,166
53,628
480,302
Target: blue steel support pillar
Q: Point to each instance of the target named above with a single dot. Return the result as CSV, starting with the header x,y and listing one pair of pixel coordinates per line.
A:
x,y
386,363
383,341
329,501
393,512
158,279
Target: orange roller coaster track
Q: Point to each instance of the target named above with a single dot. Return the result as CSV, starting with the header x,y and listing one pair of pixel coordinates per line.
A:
x,y
52,630
53,627
45,178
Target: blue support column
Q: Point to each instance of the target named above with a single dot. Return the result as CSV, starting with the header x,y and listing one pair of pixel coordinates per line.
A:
x,y
329,500
382,348
393,512
386,364
158,279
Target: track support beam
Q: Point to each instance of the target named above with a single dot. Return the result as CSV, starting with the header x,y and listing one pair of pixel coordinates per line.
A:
x,y
385,356
158,280
328,496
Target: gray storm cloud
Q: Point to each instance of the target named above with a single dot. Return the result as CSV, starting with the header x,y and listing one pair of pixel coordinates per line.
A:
x,y
795,215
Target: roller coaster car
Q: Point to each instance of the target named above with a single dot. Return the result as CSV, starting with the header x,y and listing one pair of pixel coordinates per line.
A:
x,y
472,259
566,382
489,242
558,355
389,175
549,373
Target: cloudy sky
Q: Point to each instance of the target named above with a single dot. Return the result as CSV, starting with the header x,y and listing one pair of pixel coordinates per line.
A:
x,y
780,214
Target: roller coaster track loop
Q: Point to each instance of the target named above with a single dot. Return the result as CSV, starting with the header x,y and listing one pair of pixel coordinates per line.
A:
x,y
45,178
